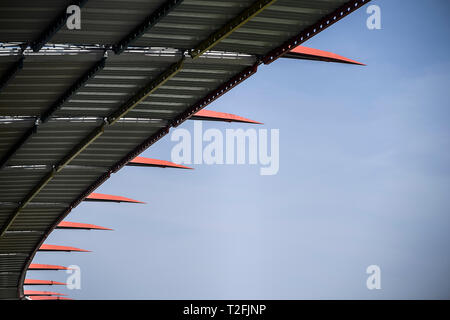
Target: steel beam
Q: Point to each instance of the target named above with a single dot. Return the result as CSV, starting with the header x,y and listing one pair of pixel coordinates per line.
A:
x,y
146,25
54,27
230,27
11,73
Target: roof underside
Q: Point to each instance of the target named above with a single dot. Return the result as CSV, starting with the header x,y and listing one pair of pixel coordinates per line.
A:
x,y
46,77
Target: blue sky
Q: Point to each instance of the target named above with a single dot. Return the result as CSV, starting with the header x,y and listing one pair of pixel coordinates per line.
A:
x,y
364,179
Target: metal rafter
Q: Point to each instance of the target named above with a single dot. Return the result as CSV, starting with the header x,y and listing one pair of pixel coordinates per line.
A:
x,y
230,27
54,27
11,73
147,24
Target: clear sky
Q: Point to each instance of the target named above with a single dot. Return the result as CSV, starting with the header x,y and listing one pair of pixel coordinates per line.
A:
x,y
364,179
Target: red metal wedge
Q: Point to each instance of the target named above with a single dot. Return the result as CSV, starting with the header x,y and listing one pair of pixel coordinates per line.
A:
x,y
48,298
51,247
109,198
301,52
220,116
148,162
42,293
77,225
35,282
36,266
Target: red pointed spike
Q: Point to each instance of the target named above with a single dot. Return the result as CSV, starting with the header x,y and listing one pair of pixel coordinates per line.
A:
x,y
302,52
30,282
147,162
42,293
36,266
51,247
109,198
77,225
220,116
48,298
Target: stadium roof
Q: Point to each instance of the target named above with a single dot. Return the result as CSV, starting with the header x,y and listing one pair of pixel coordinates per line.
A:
x,y
78,105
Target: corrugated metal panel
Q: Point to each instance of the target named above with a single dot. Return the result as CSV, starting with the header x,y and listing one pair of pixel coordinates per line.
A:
x,y
41,81
18,242
12,263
